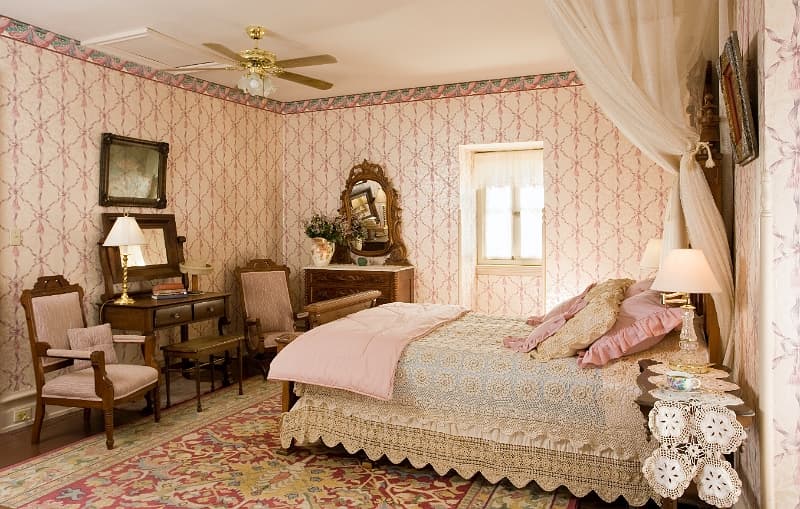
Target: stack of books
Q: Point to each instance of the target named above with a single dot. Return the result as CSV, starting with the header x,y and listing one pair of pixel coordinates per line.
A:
x,y
169,291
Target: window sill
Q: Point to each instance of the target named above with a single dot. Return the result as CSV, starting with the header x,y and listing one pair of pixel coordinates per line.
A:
x,y
509,270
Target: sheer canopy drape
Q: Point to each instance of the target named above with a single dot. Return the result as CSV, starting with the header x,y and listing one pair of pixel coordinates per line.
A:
x,y
635,58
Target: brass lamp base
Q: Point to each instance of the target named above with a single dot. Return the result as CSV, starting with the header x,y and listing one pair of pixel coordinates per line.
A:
x,y
124,299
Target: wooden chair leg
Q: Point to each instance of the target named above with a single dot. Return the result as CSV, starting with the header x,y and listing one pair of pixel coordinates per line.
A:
x,y
36,431
157,401
108,418
87,419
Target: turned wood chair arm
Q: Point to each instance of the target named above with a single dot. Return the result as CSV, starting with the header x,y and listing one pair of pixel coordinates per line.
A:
x,y
68,354
252,334
148,346
328,310
102,385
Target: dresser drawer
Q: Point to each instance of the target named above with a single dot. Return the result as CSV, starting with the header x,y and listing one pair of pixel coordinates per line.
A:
x,y
173,315
327,283
354,278
210,309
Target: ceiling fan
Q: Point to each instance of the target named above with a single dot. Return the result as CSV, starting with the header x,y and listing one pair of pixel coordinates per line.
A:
x,y
260,65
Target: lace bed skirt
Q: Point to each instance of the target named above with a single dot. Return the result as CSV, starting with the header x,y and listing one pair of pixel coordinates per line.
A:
x,y
610,478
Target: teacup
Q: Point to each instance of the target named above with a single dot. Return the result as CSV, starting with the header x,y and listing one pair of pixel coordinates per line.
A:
x,y
680,381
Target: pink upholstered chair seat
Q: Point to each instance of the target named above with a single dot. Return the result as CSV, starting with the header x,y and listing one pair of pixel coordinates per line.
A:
x,y
127,379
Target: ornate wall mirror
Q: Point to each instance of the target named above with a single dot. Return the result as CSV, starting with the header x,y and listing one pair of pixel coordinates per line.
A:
x,y
157,259
369,196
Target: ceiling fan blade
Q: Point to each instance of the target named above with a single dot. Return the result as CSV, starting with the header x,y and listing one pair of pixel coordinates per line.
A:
x,y
304,80
206,66
306,61
222,50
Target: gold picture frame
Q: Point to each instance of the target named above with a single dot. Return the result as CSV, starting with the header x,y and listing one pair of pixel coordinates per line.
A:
x,y
133,172
737,102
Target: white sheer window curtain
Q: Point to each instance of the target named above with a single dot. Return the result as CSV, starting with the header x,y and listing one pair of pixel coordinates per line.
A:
x,y
512,185
635,58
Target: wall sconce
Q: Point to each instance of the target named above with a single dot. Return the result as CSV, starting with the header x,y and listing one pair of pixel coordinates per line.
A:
x,y
686,271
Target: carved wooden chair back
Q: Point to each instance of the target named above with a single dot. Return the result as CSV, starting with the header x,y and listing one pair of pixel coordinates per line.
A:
x,y
51,308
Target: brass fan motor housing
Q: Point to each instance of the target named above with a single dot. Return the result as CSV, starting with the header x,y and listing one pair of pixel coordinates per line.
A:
x,y
257,60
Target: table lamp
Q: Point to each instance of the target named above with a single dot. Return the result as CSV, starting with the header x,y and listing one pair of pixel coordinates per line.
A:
x,y
125,232
686,271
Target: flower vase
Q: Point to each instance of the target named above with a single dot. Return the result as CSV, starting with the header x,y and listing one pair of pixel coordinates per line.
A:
x,y
321,251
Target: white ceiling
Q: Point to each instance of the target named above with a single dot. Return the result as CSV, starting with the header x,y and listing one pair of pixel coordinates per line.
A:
x,y
379,45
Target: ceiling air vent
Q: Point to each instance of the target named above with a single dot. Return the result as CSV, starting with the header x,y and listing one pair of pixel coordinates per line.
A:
x,y
150,47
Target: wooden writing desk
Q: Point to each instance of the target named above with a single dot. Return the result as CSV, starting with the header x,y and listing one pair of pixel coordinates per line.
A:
x,y
148,315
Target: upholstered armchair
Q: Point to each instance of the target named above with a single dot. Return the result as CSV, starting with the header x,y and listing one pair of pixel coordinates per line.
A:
x,y
90,377
268,314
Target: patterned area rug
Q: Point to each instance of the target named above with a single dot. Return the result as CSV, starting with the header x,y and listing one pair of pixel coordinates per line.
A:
x,y
226,457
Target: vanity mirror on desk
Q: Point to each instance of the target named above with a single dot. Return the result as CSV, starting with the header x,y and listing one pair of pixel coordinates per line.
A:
x,y
159,258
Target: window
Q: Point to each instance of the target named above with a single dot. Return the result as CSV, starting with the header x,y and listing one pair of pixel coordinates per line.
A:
x,y
509,204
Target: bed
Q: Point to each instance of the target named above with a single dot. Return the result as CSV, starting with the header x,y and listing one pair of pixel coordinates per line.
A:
x,y
464,402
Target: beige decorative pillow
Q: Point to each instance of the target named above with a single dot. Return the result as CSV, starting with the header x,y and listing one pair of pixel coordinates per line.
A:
x,y
92,339
588,324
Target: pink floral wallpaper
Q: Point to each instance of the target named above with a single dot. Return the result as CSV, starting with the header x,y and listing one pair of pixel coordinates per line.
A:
x,y
604,200
782,161
223,178
769,39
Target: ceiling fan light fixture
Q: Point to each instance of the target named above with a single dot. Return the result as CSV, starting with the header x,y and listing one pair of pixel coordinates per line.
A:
x,y
254,84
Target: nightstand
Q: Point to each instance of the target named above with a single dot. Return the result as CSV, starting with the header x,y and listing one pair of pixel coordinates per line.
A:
x,y
744,414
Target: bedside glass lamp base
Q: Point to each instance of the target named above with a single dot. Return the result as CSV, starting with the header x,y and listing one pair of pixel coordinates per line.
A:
x,y
689,359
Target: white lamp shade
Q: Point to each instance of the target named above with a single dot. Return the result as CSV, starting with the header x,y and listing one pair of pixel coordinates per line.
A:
x,y
686,270
125,232
651,259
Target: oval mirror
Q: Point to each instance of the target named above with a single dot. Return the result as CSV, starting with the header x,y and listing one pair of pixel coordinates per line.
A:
x,y
369,204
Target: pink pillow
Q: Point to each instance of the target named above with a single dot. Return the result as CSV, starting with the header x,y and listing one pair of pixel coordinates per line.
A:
x,y
555,319
642,322
92,339
638,287
542,331
559,309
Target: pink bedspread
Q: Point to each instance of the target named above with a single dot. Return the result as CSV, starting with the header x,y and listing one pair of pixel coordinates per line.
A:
x,y
360,352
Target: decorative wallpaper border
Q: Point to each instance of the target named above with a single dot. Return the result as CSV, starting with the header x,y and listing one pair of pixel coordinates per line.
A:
x,y
41,38
483,87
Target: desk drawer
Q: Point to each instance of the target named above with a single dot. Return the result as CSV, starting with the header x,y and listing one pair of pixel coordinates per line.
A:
x,y
173,315
210,309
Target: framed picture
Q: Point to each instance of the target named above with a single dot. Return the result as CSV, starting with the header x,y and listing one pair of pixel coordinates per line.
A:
x,y
132,172
737,102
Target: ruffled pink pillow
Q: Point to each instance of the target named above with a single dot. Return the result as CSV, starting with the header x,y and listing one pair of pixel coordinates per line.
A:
x,y
638,287
560,308
642,322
